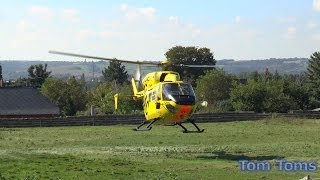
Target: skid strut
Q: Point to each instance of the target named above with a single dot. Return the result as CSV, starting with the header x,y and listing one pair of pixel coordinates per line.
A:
x,y
148,128
185,130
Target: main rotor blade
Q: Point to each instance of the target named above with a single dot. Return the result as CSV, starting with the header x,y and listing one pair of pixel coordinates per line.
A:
x,y
197,66
106,59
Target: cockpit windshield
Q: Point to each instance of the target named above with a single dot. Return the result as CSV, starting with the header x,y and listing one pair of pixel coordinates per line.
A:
x,y
181,93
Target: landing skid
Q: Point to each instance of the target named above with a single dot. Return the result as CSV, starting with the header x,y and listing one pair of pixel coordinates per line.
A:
x,y
148,128
185,130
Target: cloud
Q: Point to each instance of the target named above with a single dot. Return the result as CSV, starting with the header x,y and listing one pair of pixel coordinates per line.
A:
x,y
195,31
71,15
106,34
124,7
22,25
237,19
311,25
315,37
86,34
28,36
250,34
41,11
316,5
219,29
174,20
148,12
291,33
134,12
287,20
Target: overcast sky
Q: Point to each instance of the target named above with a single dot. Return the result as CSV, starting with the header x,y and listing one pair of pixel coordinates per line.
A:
x,y
146,29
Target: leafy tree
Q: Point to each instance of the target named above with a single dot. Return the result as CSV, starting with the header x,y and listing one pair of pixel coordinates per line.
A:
x,y
115,72
299,94
313,73
297,88
276,100
267,75
38,74
189,56
276,75
69,95
126,103
255,76
292,86
214,87
56,90
102,98
77,97
248,97
261,96
83,81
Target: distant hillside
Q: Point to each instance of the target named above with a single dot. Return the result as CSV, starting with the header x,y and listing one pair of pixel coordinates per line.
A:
x,y
283,66
16,69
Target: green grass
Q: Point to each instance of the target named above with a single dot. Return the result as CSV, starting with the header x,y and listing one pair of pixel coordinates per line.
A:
x,y
117,152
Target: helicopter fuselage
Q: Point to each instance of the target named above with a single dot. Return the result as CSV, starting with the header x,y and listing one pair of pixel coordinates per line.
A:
x,y
166,98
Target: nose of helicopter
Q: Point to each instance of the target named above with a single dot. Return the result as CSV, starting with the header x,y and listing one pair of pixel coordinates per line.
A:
x,y
179,113
184,111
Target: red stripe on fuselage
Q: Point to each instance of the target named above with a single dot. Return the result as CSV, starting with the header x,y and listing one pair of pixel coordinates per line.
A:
x,y
182,112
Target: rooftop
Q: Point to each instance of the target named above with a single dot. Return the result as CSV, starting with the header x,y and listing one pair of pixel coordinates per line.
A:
x,y
25,101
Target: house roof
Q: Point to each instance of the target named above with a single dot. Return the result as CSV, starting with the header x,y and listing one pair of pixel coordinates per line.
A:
x,y
25,101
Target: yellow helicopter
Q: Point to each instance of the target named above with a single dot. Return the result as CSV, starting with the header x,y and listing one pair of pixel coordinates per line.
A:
x,y
166,98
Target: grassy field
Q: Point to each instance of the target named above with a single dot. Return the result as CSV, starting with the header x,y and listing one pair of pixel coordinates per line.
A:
x,y
117,152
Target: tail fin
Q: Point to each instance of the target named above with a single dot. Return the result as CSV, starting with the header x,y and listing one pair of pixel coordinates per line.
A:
x,y
136,94
134,87
116,101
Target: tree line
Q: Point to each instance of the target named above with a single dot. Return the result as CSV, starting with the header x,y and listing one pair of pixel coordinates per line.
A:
x,y
252,91
262,92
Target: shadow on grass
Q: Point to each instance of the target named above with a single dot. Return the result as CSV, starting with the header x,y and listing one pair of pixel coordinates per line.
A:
x,y
236,157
